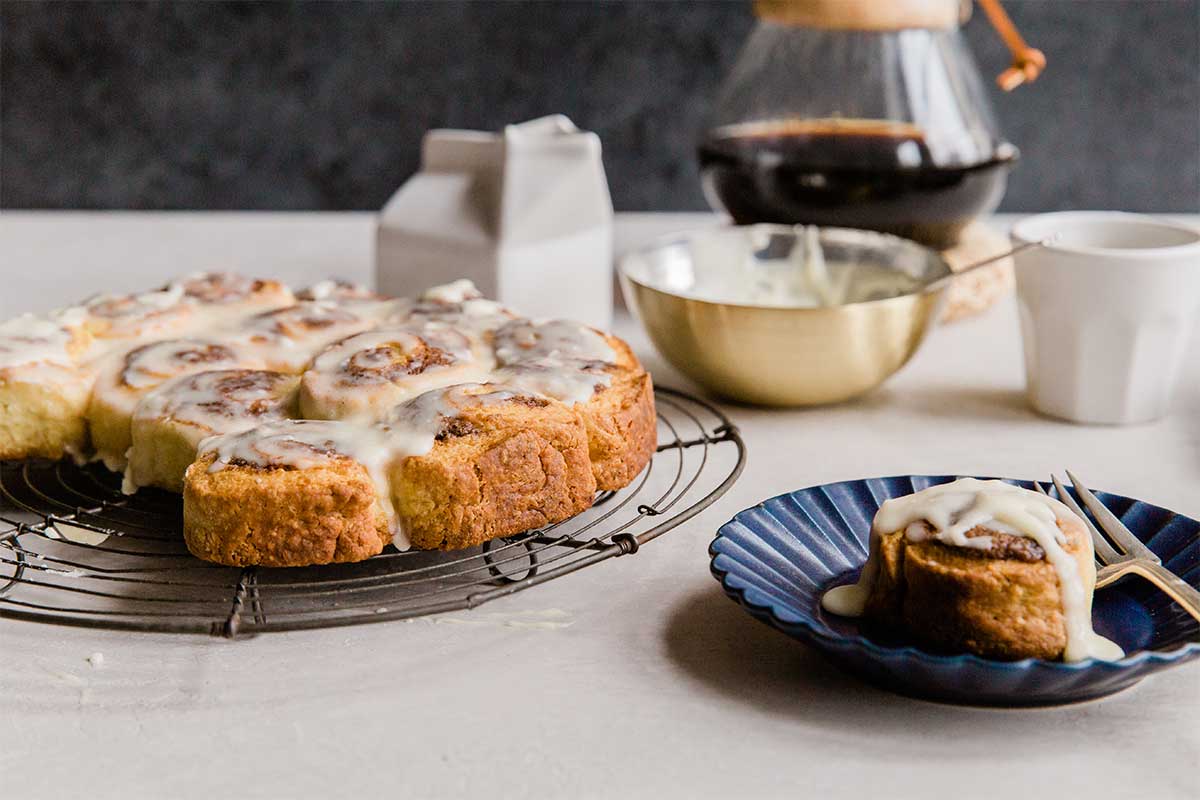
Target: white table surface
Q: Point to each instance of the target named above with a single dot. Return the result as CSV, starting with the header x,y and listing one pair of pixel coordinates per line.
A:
x,y
658,686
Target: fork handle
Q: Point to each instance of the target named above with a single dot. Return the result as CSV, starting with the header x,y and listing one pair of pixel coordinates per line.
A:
x,y
1174,586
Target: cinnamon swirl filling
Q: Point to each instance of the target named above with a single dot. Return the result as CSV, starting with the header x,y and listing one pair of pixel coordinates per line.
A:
x,y
365,375
151,364
222,400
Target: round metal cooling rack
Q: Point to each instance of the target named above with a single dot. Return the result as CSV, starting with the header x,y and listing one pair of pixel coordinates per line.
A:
x,y
75,551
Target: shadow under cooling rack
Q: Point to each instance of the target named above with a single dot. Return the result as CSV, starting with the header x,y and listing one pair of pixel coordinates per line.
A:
x,y
75,551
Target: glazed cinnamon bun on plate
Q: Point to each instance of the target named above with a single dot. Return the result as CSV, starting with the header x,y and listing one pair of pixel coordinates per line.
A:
x,y
966,590
981,567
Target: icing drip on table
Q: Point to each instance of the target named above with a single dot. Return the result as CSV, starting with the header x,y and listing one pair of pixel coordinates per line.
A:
x,y
949,512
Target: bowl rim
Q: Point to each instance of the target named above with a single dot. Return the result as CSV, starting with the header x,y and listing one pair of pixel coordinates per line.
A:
x,y
679,237
807,626
1023,232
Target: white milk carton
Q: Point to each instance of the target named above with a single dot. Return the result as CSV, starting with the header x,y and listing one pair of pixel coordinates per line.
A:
x,y
525,214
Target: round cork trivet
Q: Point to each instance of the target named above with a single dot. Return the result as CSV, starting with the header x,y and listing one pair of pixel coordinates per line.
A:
x,y
972,294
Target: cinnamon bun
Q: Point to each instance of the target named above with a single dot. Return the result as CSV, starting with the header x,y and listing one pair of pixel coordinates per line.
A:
x,y
366,375
980,567
600,376
499,461
170,422
43,386
126,379
230,293
145,316
289,337
289,493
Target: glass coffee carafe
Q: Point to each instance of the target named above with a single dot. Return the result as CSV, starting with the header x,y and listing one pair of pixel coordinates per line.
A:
x,y
862,114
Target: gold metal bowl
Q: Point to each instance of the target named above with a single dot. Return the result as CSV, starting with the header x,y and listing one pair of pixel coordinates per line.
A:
x,y
767,351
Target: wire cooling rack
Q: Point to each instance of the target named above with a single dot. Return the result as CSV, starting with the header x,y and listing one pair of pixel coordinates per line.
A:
x,y
75,551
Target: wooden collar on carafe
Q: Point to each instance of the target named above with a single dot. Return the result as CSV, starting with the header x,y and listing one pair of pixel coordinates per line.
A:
x,y
865,15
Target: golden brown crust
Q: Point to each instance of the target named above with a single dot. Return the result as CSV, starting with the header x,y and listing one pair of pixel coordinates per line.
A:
x,y
994,603
621,423
278,517
497,471
485,477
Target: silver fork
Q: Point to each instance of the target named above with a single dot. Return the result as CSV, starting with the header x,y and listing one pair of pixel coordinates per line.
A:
x,y
1132,557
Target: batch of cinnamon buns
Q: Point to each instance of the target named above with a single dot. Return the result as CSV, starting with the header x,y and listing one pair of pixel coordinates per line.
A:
x,y
317,426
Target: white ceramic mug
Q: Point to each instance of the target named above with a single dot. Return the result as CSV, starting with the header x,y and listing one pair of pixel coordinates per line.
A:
x,y
1106,313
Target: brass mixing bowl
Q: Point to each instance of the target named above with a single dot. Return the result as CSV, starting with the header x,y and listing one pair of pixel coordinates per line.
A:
x,y
769,352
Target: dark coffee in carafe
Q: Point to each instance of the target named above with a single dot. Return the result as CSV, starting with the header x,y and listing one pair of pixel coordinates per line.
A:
x,y
872,174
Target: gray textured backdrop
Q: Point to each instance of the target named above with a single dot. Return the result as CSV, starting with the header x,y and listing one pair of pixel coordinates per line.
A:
x,y
316,105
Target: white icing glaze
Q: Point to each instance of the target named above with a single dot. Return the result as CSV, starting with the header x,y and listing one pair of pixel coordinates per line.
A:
x,y
950,511
145,314
727,271
150,365
322,290
425,414
560,359
565,382
31,339
367,374
220,401
457,291
557,340
289,337
458,304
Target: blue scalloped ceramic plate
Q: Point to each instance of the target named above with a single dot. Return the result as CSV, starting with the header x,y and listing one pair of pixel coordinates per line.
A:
x,y
777,558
